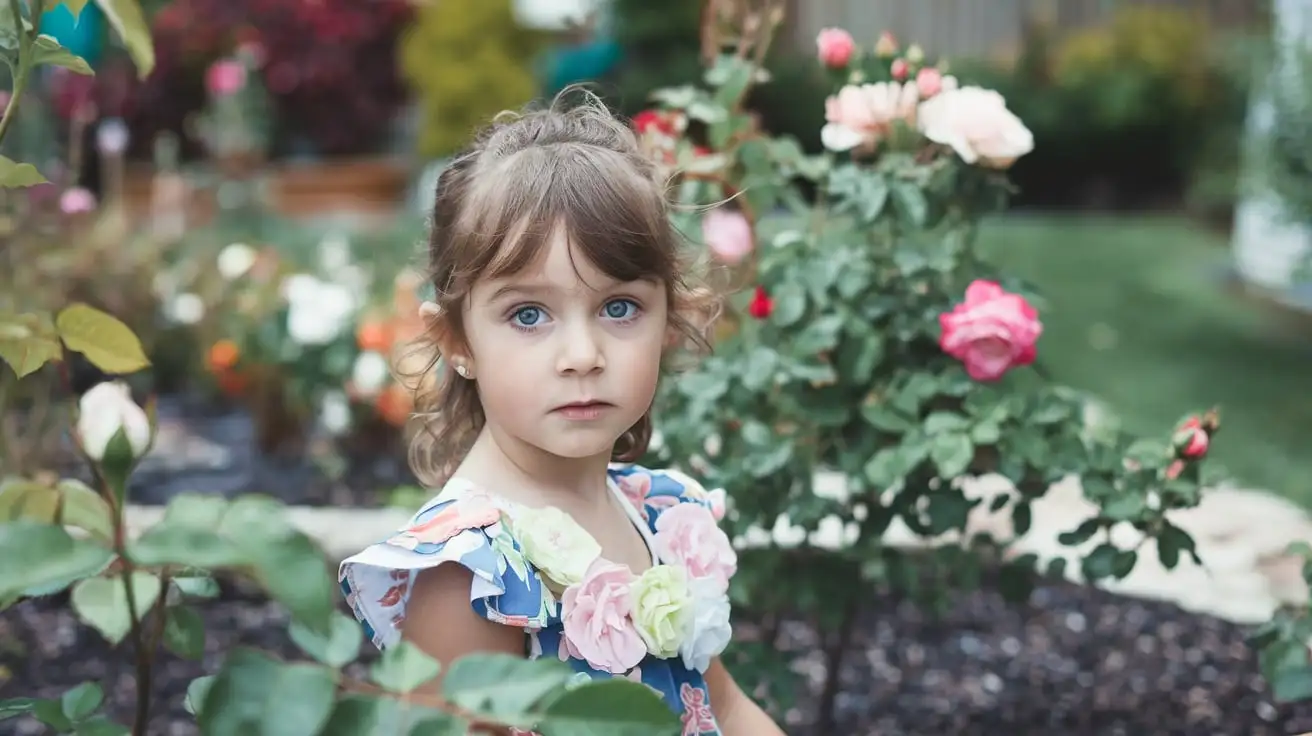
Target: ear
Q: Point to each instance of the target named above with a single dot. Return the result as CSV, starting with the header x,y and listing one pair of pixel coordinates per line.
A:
x,y
452,348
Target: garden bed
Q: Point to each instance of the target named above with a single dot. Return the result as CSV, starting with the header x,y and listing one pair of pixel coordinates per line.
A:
x,y
1072,660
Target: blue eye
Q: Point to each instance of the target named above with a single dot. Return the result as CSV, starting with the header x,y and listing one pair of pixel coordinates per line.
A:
x,y
621,309
527,316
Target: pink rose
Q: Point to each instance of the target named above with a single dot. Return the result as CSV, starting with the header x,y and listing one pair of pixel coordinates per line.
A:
x,y
991,332
929,81
225,77
835,47
859,116
728,234
886,45
1191,439
596,616
976,124
687,535
900,69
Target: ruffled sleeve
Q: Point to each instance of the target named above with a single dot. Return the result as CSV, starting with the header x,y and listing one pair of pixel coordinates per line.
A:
x,y
463,528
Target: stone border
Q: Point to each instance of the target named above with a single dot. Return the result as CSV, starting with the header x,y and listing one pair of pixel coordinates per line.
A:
x,y
1241,537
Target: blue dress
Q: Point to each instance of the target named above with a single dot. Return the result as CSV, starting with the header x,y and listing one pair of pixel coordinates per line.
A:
x,y
463,524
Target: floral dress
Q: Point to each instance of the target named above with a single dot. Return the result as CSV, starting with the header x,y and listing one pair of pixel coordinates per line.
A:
x,y
537,570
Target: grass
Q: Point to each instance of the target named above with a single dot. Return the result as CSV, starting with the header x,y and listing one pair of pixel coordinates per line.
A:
x,y
1137,314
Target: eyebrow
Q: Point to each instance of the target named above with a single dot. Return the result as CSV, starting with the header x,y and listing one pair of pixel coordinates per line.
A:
x,y
537,289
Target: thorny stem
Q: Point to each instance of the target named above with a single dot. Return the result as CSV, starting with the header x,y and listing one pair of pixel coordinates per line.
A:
x,y
24,59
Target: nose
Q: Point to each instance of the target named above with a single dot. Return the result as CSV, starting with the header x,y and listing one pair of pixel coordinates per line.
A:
x,y
580,352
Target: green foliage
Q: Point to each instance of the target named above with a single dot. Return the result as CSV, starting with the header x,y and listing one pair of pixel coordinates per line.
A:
x,y
846,375
465,60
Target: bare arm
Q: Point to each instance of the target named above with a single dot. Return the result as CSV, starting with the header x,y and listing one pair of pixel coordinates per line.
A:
x,y
440,621
737,714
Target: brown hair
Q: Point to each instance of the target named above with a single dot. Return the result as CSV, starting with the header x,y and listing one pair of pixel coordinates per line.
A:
x,y
496,207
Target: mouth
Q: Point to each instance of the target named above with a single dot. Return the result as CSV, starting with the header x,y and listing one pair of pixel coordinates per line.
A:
x,y
583,409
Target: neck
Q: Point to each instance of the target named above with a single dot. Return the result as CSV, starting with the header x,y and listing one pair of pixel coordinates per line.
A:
x,y
499,460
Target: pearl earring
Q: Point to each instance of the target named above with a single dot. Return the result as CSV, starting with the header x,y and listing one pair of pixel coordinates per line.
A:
x,y
462,370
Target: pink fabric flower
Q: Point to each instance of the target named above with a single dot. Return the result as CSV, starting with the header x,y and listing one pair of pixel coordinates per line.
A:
x,y
596,617
991,332
687,535
728,234
697,716
225,77
835,47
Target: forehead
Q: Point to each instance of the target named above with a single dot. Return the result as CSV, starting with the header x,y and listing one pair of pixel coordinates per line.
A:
x,y
558,263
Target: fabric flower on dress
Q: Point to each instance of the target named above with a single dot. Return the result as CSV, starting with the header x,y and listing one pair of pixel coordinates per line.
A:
x,y
709,628
661,608
596,616
687,535
560,549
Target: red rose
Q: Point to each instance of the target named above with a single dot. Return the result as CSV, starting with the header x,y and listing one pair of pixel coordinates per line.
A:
x,y
762,305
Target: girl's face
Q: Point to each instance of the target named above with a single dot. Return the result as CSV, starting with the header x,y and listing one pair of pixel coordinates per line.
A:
x,y
566,358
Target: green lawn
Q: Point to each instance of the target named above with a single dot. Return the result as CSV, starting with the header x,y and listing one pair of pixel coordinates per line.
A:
x,y
1137,314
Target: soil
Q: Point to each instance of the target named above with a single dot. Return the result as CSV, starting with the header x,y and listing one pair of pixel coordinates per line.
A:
x,y
1071,660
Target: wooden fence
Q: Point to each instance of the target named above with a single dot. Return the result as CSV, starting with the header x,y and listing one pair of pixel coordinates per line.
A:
x,y
982,27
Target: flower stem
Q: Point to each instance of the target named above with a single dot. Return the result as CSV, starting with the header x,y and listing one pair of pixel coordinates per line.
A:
x,y
24,59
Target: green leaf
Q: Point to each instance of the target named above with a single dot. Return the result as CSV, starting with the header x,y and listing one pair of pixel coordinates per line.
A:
x,y
198,586
85,509
985,433
1292,686
100,726
911,203
300,700
24,344
440,724
502,685
1171,541
885,468
184,632
1100,563
1123,565
1126,507
884,417
126,18
789,304
944,421
292,571
403,667
81,701
28,499
14,707
47,51
952,454
339,647
36,555
1081,534
196,691
102,338
103,602
51,713
613,707
15,175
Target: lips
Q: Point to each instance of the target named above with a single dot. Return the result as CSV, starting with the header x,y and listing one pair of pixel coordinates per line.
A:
x,y
583,409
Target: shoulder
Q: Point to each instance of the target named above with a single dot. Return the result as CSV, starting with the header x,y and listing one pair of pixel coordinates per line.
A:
x,y
652,490
460,525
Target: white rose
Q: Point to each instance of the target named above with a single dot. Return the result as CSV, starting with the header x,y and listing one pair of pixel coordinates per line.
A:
x,y
370,373
103,411
335,413
235,260
186,309
318,311
556,545
708,629
976,123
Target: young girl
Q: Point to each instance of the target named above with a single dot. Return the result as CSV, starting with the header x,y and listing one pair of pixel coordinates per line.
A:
x,y
559,291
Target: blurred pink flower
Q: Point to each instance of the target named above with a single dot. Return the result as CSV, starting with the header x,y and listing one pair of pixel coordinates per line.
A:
x,y
225,77
76,201
728,234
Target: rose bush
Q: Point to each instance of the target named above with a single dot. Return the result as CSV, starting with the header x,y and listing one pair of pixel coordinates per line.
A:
x,y
58,535
877,349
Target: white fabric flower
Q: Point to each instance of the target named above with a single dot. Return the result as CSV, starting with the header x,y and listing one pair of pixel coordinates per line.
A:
x,y
976,123
105,409
708,629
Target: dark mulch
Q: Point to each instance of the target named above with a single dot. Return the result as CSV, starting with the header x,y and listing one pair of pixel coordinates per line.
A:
x,y
1071,661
